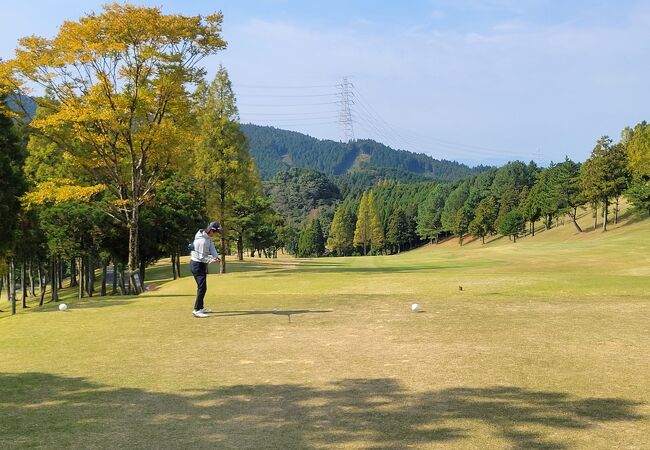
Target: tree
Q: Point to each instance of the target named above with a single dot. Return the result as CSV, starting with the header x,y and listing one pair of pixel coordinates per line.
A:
x,y
12,182
566,177
461,223
252,212
604,175
311,241
341,232
429,218
511,223
178,208
484,219
12,186
376,229
363,230
455,216
398,230
117,84
637,147
542,200
222,162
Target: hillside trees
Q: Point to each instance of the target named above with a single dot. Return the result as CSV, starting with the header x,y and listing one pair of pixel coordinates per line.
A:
x,y
341,233
368,231
604,175
296,192
399,232
455,217
637,147
118,81
484,220
429,218
510,224
312,240
566,177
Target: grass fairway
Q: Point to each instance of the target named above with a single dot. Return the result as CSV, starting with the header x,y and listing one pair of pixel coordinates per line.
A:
x,y
547,346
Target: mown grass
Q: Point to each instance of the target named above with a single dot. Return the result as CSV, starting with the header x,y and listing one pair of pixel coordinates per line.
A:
x,y
546,346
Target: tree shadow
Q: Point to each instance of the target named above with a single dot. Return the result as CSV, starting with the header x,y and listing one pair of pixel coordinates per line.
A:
x,y
64,412
94,302
280,312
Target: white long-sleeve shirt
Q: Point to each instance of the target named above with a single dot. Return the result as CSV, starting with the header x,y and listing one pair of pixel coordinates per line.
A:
x,y
204,249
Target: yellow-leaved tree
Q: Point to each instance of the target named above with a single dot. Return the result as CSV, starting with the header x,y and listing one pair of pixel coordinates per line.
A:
x,y
116,87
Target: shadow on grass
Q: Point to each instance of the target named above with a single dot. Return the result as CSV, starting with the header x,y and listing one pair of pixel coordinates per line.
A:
x,y
63,412
278,312
89,303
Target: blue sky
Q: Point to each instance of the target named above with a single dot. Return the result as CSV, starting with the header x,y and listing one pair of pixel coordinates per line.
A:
x,y
468,80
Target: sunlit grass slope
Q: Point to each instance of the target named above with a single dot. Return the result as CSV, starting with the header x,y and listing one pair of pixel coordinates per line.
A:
x,y
546,346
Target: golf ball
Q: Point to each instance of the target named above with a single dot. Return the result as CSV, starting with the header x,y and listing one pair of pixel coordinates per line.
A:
x,y
63,307
415,307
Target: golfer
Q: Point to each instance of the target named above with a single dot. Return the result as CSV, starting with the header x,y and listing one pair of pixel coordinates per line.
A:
x,y
203,254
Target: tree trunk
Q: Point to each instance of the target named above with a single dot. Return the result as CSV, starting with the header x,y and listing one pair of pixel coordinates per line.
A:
x,y
114,290
240,247
104,273
60,271
90,269
134,238
122,280
574,220
32,285
82,278
73,272
178,264
616,211
12,285
173,258
8,278
143,269
42,281
55,286
595,216
605,208
23,284
222,217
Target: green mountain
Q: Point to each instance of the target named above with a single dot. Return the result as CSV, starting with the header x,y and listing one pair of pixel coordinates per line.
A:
x,y
276,150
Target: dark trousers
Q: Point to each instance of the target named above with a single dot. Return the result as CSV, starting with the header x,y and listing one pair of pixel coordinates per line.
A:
x,y
199,270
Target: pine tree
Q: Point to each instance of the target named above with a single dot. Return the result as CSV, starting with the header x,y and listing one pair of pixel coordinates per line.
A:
x,y
341,233
376,228
363,230
605,174
398,230
484,218
221,160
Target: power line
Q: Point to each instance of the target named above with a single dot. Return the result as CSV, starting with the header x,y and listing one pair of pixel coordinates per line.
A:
x,y
353,109
276,105
251,86
330,94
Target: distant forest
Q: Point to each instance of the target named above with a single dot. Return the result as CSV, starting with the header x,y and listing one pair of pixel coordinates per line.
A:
x,y
276,150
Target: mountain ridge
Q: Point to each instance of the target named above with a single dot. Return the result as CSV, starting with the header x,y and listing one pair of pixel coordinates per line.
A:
x,y
276,150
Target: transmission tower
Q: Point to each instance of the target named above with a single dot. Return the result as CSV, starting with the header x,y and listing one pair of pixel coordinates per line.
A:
x,y
346,100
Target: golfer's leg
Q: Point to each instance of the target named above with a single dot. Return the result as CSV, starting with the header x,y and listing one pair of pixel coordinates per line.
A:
x,y
201,286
